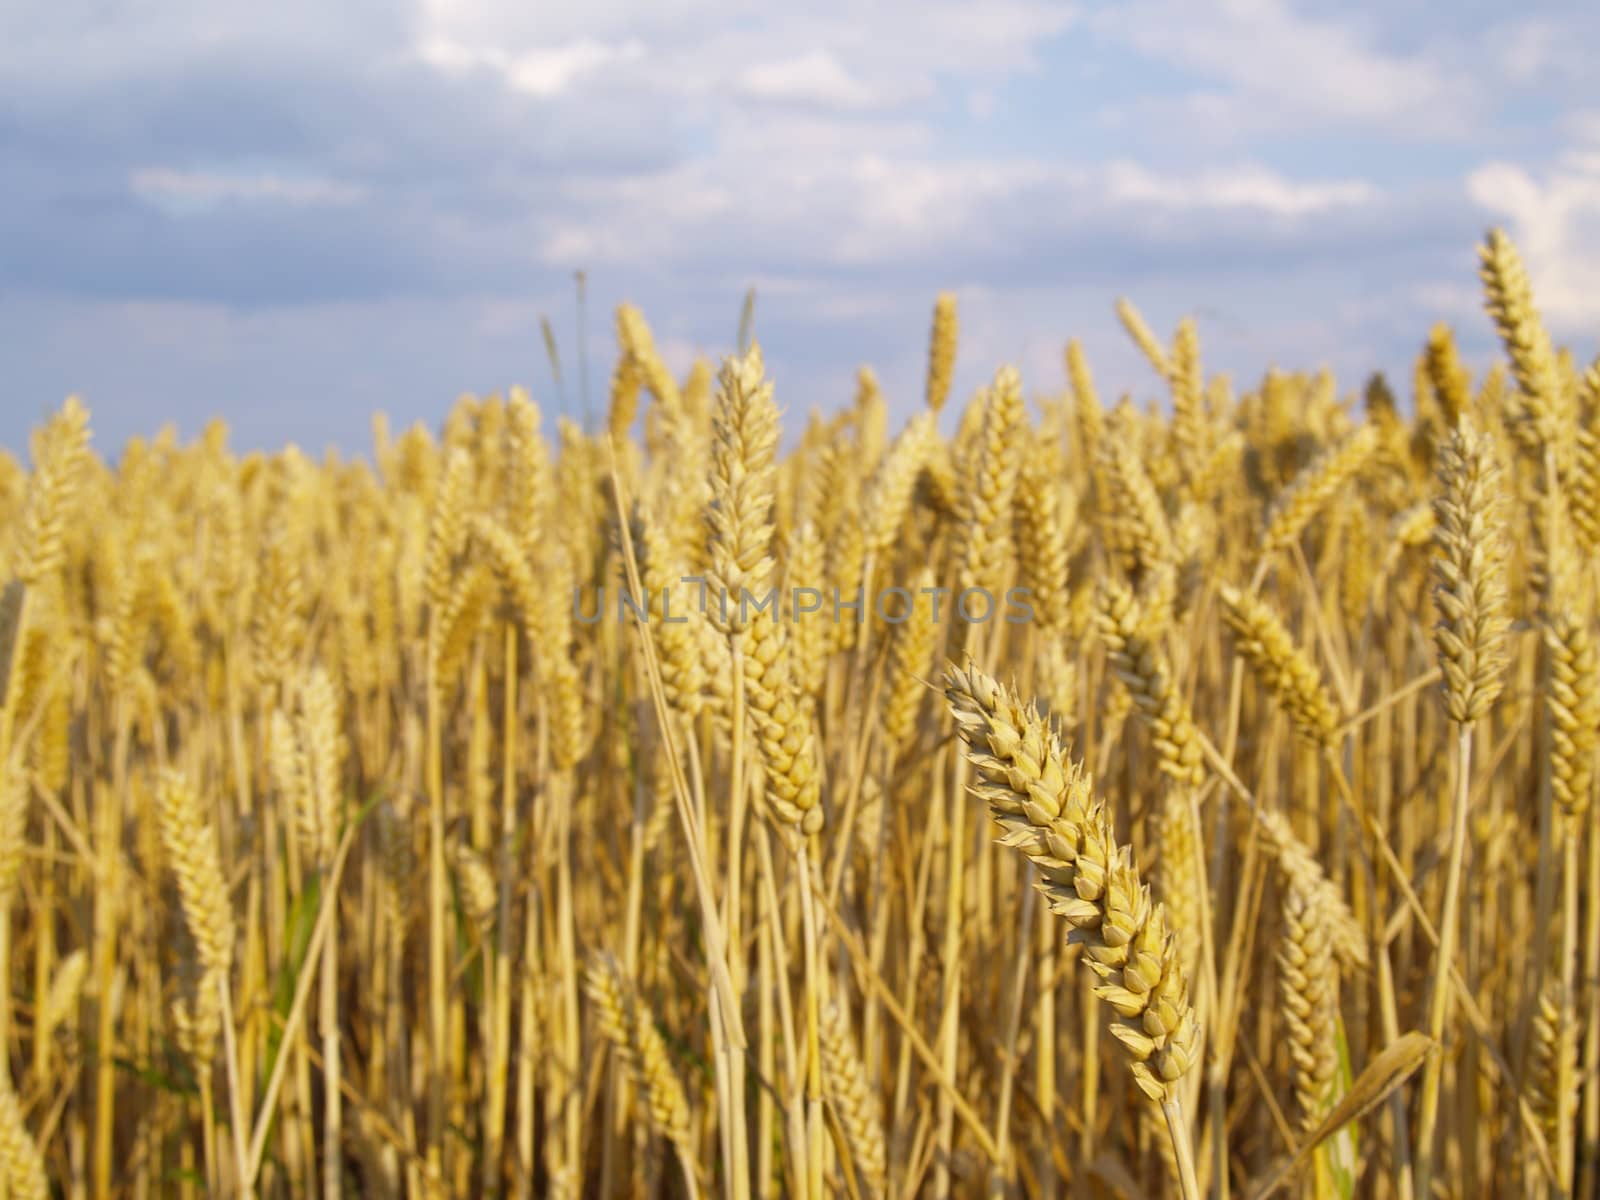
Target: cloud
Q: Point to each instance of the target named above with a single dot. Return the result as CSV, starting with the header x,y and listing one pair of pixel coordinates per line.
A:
x,y
1250,187
1528,50
850,209
812,78
1265,66
287,191
180,190
708,54
1554,219
541,71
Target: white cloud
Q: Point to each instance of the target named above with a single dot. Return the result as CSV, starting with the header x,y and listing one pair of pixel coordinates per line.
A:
x,y
541,71
550,71
831,54
1585,126
812,78
1248,187
1554,219
1282,69
187,189
1528,51
849,158
840,203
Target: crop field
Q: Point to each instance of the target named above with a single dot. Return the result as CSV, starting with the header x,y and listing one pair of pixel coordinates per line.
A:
x,y
1065,792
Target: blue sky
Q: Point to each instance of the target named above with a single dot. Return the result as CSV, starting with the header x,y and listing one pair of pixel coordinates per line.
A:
x,y
294,214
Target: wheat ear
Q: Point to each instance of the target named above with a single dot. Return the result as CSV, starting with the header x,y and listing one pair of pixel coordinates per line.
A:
x,y
1282,667
1470,575
854,1101
985,503
1046,807
942,350
21,1164
1452,384
1144,337
55,485
627,1025
1315,487
1308,983
1143,668
1544,410
1469,569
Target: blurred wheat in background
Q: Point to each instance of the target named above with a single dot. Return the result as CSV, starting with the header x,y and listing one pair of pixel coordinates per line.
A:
x,y
353,839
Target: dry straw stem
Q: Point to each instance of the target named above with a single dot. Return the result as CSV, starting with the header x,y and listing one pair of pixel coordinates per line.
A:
x,y
1047,809
942,350
1470,575
1281,666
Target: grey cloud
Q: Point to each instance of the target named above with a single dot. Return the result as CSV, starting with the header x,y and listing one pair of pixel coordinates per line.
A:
x,y
464,204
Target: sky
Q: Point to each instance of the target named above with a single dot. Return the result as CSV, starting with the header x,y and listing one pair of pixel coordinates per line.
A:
x,y
294,214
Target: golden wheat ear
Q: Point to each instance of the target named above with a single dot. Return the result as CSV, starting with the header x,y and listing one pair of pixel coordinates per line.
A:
x,y
1047,809
1470,575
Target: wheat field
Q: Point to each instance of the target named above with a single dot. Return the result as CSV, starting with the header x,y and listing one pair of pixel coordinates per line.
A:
x,y
1183,797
